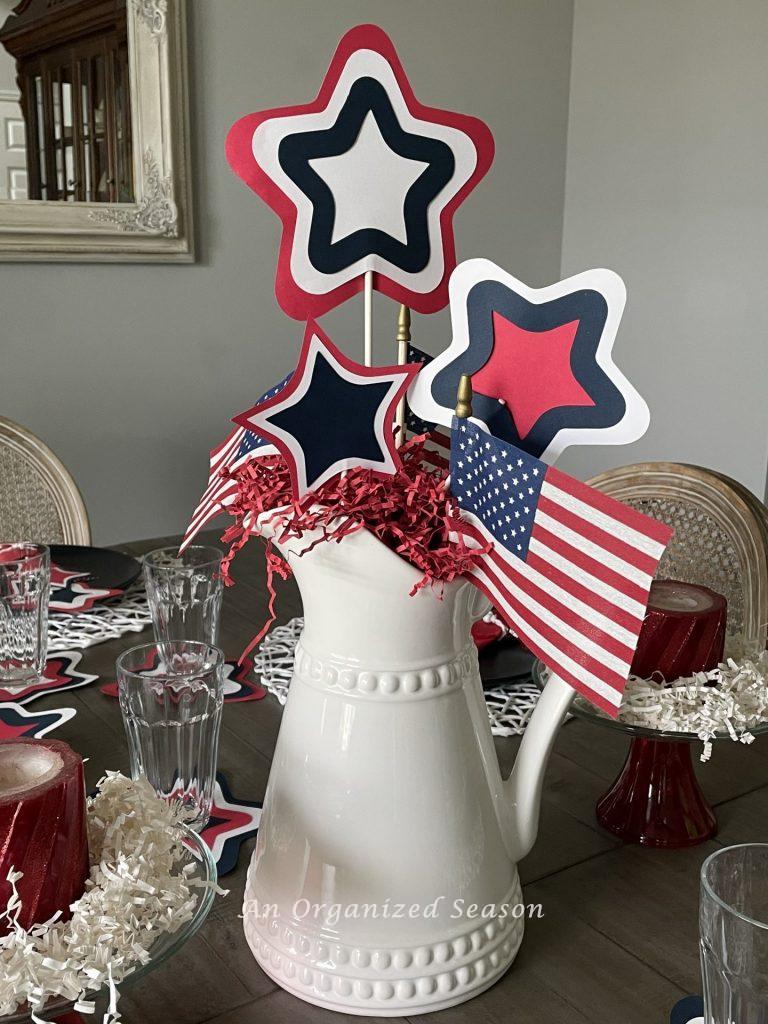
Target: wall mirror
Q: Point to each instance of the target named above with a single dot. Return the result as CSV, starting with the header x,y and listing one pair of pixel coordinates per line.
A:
x,y
94,158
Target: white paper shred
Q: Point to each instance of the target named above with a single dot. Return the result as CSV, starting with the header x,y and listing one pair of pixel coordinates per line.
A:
x,y
732,699
135,892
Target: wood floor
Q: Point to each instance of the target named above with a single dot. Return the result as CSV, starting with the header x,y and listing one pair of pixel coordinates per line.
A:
x,y
618,940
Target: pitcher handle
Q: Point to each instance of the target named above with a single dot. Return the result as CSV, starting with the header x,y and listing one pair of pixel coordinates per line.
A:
x,y
523,787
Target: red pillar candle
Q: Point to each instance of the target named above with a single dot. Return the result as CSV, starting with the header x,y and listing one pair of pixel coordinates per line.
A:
x,y
683,631
42,827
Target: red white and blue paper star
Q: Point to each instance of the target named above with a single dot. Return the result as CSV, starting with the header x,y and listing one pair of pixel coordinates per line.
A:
x,y
16,721
540,360
334,414
59,674
232,821
71,592
364,178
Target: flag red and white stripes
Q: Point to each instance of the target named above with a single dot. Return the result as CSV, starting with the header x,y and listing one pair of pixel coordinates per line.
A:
x,y
238,448
570,568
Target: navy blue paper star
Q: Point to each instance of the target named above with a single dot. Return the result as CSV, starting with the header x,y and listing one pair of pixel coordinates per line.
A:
x,y
335,414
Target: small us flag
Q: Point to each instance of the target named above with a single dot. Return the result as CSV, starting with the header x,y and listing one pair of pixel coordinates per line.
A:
x,y
238,448
570,568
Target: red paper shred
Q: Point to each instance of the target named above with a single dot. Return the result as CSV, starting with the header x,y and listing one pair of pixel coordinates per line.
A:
x,y
411,512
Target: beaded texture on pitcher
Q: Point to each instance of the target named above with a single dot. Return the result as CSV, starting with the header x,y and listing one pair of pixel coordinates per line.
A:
x,y
431,973
421,682
510,706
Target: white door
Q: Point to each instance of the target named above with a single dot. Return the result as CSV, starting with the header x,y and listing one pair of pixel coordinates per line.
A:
x,y
13,153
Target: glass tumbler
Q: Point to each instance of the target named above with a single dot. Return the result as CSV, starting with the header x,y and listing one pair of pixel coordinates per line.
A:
x,y
184,593
733,928
25,590
171,696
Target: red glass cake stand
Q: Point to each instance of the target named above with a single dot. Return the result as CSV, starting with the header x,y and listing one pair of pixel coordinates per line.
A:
x,y
656,799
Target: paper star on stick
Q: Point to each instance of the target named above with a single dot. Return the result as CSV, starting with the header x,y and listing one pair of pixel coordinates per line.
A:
x,y
540,359
364,178
334,414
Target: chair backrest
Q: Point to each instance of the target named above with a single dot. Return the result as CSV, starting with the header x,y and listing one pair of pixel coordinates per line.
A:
x,y
39,500
721,536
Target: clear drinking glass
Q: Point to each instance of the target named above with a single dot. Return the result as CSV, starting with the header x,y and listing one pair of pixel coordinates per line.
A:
x,y
733,928
171,695
184,593
25,587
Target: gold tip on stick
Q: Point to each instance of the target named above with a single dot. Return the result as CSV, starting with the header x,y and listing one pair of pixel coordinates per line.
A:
x,y
404,324
464,398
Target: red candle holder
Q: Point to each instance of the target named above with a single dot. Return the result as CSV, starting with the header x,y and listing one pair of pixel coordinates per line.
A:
x,y
657,800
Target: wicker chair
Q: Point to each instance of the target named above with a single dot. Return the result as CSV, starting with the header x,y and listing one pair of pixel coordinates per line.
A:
x,y
39,500
721,533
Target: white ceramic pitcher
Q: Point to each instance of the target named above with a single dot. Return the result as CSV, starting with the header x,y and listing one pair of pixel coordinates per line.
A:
x,y
384,881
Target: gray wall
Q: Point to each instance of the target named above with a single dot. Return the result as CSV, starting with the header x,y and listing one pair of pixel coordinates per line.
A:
x,y
132,372
667,183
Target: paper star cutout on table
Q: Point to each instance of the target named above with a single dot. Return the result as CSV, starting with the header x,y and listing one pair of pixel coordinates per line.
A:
x,y
60,673
688,1011
335,414
364,178
16,721
71,591
540,360
232,821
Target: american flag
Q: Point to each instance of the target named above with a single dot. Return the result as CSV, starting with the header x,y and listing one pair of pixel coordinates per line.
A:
x,y
238,448
570,568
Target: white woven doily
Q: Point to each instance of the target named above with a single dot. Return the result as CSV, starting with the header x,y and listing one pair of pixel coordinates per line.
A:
x,y
509,707
128,614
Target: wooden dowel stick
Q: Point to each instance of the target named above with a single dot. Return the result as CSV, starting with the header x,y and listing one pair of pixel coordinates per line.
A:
x,y
403,338
368,325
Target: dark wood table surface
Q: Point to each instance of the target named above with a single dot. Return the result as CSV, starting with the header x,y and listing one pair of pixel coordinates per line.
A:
x,y
618,942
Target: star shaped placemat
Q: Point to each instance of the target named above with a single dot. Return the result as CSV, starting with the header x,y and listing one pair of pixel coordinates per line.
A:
x,y
60,673
16,721
688,1011
232,821
364,178
71,592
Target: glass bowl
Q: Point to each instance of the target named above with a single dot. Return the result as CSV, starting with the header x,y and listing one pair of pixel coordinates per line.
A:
x,y
166,944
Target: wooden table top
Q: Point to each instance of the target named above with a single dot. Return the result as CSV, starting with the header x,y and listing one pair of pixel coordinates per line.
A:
x,y
618,941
